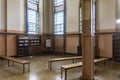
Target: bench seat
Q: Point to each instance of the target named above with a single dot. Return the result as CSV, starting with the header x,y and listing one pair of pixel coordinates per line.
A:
x,y
62,59
21,61
75,65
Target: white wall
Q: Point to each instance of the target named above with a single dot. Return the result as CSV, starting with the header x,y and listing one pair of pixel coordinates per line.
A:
x,y
2,15
46,15
41,16
22,15
118,14
15,15
72,15
106,14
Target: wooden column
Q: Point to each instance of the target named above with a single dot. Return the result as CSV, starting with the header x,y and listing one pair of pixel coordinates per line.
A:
x,y
87,41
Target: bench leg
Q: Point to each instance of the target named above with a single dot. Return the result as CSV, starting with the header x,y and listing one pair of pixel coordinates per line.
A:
x,y
13,63
73,61
65,74
23,68
2,62
50,65
104,63
28,67
61,73
8,63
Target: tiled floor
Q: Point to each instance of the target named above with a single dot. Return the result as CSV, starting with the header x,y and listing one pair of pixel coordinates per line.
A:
x,y
39,70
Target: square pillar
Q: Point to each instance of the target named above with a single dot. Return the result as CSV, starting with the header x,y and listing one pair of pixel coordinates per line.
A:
x,y
87,41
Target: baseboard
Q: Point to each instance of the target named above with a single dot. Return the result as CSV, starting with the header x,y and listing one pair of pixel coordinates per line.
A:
x,y
47,52
72,54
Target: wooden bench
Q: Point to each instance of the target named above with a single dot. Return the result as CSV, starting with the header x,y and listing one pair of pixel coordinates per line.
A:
x,y
62,59
21,61
75,65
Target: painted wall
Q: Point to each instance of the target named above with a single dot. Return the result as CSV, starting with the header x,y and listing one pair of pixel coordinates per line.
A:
x,y
3,45
2,27
15,15
106,15
106,22
16,18
72,42
46,15
41,15
2,14
15,23
105,45
11,45
72,22
59,43
72,15
117,14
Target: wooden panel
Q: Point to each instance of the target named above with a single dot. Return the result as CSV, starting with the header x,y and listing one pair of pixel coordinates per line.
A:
x,y
15,31
72,42
11,45
107,30
59,43
105,45
116,46
28,45
2,45
34,50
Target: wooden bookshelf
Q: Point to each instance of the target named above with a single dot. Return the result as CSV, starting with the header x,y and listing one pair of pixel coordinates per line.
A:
x,y
116,46
24,42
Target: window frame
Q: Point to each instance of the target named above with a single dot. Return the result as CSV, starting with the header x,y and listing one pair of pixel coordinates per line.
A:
x,y
93,18
37,12
64,17
80,19
34,2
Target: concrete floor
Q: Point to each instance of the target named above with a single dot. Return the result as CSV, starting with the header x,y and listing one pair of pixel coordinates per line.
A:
x,y
39,70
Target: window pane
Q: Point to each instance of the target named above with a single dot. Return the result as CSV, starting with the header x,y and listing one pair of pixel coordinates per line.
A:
x,y
32,17
58,17
33,1
32,27
59,20
80,23
58,2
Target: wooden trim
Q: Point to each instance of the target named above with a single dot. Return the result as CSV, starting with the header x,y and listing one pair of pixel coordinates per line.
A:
x,y
106,30
3,30
48,34
107,33
15,31
71,33
10,33
73,54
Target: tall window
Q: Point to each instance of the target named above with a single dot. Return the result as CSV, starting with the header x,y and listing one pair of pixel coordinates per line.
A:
x,y
93,17
32,16
58,16
80,19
